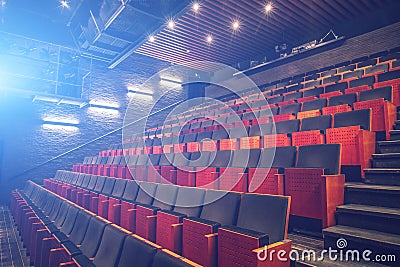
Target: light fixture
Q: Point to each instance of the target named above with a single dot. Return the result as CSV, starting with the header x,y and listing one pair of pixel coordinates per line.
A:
x,y
140,90
209,39
235,25
151,38
196,7
3,3
60,121
268,7
171,24
103,104
64,4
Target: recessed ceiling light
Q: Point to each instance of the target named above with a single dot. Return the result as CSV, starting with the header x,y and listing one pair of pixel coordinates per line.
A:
x,y
196,7
171,24
268,7
235,25
209,39
151,38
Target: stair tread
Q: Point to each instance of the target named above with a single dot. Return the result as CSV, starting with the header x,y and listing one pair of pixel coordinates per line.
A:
x,y
389,143
395,131
373,187
388,170
372,209
372,235
386,155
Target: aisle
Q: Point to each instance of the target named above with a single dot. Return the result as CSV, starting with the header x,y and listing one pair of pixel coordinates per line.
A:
x,y
11,251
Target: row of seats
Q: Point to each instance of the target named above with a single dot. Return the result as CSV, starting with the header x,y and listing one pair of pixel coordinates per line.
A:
x,y
57,232
351,129
190,221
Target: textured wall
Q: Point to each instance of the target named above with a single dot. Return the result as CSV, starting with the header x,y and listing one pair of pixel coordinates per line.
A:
x,y
28,143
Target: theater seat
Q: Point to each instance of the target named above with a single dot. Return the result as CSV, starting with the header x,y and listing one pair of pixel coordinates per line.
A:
x,y
263,178
189,202
164,199
383,110
352,131
315,184
312,131
255,231
145,193
199,233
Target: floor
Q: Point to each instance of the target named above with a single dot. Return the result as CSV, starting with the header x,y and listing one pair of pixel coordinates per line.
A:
x,y
12,253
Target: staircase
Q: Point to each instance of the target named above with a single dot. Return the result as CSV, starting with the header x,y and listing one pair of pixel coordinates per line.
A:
x,y
370,218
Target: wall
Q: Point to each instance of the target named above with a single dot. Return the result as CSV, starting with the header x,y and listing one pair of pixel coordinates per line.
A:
x,y
28,143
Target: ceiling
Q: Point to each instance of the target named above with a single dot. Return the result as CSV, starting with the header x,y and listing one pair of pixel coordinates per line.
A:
x,y
111,30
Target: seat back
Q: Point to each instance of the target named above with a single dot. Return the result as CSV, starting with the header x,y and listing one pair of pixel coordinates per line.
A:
x,y
260,129
119,188
245,158
348,99
131,190
221,207
108,186
94,233
363,81
265,214
325,157
352,118
336,87
238,132
222,159
189,201
316,123
81,224
383,92
165,196
284,157
92,182
290,109
99,184
313,92
110,247
314,104
136,253
146,193
288,126
69,221
220,134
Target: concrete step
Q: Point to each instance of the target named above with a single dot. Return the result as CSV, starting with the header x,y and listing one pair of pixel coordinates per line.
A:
x,y
382,176
372,195
345,238
387,160
389,147
381,219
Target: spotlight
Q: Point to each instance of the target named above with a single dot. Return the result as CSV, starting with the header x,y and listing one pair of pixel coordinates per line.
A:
x,y
3,3
171,24
235,25
268,7
64,4
209,39
196,7
151,38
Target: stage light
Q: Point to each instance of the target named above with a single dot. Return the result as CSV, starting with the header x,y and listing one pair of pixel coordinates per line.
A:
x,y
64,4
235,25
61,121
196,7
171,24
103,104
151,38
209,39
268,7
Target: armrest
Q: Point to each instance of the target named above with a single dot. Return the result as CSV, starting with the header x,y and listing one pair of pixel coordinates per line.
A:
x,y
280,178
117,205
212,249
